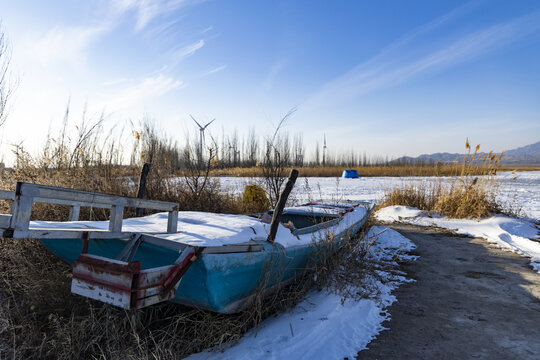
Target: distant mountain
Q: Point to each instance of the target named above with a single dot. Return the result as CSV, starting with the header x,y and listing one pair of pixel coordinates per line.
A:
x,y
529,154
526,155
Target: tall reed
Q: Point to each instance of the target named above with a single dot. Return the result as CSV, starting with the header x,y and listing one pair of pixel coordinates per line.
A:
x,y
467,195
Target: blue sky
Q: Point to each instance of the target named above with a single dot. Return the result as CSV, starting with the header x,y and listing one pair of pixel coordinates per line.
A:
x,y
385,77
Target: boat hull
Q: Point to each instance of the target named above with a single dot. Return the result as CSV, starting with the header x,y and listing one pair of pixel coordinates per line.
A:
x,y
222,283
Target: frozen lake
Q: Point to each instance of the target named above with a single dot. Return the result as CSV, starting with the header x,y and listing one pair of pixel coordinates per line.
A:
x,y
525,190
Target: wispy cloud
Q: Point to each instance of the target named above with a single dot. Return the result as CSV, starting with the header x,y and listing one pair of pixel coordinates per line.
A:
x,y
210,28
146,89
147,10
401,61
115,82
214,70
165,31
68,44
186,51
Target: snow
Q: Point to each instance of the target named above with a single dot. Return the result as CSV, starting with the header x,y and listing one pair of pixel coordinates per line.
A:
x,y
519,235
320,326
209,229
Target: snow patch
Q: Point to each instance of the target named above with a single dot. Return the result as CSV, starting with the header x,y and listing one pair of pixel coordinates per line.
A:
x,y
519,235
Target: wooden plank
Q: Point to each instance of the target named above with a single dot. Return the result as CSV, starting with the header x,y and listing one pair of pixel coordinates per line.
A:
x,y
280,205
151,300
26,194
70,203
21,210
99,275
57,194
74,212
5,221
316,227
142,187
236,248
166,243
37,233
103,260
115,221
251,246
66,233
7,195
104,279
101,293
131,247
151,277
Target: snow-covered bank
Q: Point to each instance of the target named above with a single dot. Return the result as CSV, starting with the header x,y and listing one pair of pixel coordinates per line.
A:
x,y
519,235
320,326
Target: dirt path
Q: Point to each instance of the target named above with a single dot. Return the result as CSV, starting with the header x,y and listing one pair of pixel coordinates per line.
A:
x,y
470,301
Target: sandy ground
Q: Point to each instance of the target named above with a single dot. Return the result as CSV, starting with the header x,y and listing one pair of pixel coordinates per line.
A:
x,y
470,300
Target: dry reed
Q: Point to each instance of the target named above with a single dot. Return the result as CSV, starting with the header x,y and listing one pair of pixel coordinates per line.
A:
x,y
467,195
370,171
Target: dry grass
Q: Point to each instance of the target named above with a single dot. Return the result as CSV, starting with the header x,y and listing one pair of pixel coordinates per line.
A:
x,y
464,196
371,171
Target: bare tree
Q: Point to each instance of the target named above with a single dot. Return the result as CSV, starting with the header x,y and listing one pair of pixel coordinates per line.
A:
x,y
317,154
252,148
298,150
196,178
275,162
7,83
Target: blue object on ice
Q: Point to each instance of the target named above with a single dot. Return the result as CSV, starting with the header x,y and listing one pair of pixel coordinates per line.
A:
x,y
350,174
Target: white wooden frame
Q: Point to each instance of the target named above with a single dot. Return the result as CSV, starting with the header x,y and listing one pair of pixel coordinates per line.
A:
x,y
17,224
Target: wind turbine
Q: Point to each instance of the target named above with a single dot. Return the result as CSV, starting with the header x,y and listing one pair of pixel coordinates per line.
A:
x,y
201,139
324,151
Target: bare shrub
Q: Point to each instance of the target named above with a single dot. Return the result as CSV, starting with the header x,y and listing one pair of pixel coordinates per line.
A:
x,y
345,271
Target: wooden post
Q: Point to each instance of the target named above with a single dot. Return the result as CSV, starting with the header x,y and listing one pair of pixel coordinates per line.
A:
x,y
115,221
74,212
280,205
142,187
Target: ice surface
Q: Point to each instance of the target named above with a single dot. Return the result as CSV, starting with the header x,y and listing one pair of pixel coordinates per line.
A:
x,y
523,192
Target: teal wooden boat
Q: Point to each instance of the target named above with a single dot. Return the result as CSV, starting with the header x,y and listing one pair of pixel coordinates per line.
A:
x,y
211,261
